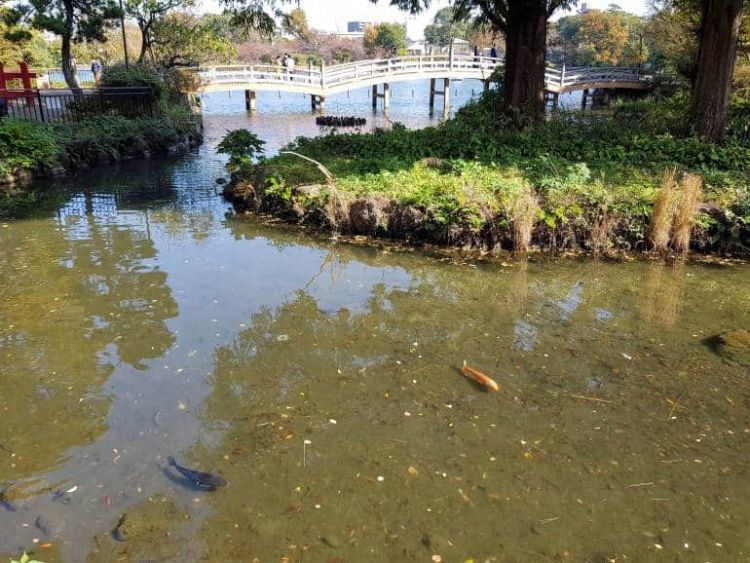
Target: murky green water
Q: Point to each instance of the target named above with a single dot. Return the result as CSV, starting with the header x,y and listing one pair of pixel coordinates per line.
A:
x,y
138,320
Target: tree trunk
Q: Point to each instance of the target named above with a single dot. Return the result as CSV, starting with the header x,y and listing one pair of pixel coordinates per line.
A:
x,y
145,28
525,46
720,28
69,70
144,48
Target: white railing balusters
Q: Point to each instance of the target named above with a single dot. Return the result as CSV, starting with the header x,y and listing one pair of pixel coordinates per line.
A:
x,y
429,66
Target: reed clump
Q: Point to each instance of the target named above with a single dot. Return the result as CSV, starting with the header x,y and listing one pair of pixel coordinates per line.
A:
x,y
664,211
686,212
523,212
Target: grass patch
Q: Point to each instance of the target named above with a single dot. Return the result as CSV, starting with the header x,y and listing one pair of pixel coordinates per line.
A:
x,y
579,180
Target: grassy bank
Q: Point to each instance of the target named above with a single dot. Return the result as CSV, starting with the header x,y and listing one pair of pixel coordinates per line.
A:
x,y
580,181
30,148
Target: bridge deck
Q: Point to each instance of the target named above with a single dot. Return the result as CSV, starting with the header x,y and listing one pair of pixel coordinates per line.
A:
x,y
340,78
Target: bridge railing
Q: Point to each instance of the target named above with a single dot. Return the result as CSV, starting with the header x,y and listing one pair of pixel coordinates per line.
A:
x,y
348,72
261,73
578,75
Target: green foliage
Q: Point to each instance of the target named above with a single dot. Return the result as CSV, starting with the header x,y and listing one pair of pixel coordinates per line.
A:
x,y
388,37
582,167
182,39
242,146
104,137
295,23
444,27
136,75
596,37
25,559
26,145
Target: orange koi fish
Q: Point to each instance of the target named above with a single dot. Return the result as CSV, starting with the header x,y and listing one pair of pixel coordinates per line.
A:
x,y
480,378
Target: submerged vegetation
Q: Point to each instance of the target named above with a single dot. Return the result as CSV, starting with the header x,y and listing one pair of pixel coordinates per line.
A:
x,y
578,181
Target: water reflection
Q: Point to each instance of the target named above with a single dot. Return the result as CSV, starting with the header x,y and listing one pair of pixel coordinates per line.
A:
x,y
139,320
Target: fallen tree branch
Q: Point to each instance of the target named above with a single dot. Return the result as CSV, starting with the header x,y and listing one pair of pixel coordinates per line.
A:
x,y
327,173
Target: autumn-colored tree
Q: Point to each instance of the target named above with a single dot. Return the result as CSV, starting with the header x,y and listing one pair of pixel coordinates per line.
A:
x,y
295,23
609,38
603,37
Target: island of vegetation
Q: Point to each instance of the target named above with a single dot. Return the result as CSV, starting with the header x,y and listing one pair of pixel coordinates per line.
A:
x,y
666,173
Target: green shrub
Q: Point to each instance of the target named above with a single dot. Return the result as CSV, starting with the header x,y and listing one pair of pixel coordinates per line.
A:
x,y
26,145
140,76
242,146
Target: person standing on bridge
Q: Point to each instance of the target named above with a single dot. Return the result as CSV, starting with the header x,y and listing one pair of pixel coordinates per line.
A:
x,y
289,66
493,51
96,70
476,56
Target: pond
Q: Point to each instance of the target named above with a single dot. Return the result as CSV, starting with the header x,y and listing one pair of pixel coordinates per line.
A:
x,y
141,319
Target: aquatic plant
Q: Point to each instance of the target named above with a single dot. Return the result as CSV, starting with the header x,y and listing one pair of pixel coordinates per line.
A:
x,y
663,213
25,559
687,209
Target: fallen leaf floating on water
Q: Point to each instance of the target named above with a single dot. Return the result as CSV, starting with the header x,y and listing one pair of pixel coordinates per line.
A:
x,y
480,378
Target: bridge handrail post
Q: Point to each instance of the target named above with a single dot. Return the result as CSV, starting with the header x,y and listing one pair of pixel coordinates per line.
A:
x,y
322,74
562,76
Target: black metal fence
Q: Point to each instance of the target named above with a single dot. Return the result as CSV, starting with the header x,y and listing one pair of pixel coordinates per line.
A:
x,y
54,106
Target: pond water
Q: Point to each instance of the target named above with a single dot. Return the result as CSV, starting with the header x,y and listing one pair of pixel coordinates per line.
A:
x,y
140,319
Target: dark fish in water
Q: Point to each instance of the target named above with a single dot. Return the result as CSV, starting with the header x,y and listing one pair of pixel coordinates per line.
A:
x,y
43,525
206,481
119,533
4,502
62,497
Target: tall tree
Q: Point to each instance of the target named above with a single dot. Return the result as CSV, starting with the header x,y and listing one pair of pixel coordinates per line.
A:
x,y
73,21
444,27
182,39
524,25
719,34
389,38
147,14
295,23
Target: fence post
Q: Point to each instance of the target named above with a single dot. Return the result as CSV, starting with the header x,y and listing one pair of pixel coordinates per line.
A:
x,y
41,105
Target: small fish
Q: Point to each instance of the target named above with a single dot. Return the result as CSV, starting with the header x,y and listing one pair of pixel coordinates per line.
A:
x,y
480,378
206,481
43,525
4,502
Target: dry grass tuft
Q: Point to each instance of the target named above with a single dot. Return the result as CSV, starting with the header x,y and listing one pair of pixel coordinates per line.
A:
x,y
687,211
664,210
523,212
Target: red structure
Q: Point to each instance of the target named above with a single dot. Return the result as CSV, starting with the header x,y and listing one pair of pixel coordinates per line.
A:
x,y
24,76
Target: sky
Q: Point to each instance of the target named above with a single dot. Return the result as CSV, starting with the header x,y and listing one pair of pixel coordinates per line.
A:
x,y
332,15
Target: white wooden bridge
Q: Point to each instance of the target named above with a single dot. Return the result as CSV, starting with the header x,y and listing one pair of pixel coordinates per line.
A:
x,y
320,82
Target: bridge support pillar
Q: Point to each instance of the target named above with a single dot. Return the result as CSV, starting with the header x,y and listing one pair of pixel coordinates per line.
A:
x,y
386,95
445,92
318,102
487,85
584,97
249,100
